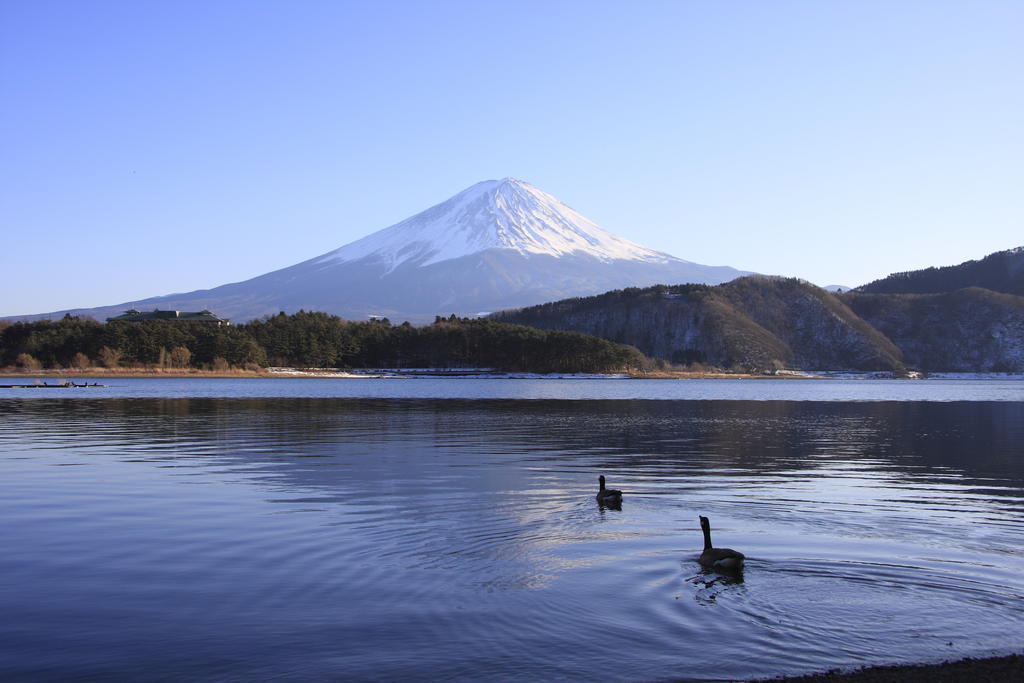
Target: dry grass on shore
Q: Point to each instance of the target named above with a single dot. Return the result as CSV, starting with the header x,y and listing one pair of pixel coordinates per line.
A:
x,y
75,373
708,374
67,373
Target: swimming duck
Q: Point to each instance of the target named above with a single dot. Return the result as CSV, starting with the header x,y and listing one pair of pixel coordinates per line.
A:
x,y
608,496
718,558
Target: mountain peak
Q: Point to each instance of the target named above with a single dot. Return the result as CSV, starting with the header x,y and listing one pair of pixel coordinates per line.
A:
x,y
514,182
493,214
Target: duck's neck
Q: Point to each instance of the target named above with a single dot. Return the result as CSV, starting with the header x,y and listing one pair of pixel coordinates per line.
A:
x,y
601,482
707,537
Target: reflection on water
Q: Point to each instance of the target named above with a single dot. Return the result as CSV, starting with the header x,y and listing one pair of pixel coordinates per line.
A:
x,y
326,538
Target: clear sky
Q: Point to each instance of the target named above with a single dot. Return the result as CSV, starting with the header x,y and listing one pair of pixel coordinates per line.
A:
x,y
165,146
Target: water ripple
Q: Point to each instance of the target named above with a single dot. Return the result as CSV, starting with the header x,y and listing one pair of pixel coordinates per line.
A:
x,y
385,539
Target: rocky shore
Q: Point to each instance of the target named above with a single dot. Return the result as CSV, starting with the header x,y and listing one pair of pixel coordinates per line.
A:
x,y
1008,668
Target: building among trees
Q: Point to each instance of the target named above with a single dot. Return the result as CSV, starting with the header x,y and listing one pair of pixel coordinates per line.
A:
x,y
204,316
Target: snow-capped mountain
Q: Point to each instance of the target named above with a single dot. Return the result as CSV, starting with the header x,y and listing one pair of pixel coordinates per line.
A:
x,y
498,244
493,214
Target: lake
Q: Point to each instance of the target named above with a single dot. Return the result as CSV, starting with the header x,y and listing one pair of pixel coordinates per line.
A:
x,y
446,529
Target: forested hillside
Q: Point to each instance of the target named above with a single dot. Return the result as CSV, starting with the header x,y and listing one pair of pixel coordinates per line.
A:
x,y
308,339
762,323
1002,271
969,330
754,323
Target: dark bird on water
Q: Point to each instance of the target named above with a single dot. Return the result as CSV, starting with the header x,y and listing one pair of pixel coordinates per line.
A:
x,y
718,558
608,496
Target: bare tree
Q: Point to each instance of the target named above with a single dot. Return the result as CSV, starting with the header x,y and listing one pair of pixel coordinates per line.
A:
x,y
180,357
26,361
110,358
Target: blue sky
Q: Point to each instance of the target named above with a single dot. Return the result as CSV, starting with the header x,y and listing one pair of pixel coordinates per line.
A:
x,y
159,147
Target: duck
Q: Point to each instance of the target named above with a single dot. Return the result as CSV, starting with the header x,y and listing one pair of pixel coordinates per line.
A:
x,y
608,496
718,558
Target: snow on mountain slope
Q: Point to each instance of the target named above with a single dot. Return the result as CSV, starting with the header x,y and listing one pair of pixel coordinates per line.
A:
x,y
493,214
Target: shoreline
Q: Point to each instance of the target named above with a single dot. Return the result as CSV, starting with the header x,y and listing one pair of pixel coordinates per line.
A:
x,y
997,668
410,373
106,373
361,373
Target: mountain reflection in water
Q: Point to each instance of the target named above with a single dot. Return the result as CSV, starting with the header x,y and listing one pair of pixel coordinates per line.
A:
x,y
324,538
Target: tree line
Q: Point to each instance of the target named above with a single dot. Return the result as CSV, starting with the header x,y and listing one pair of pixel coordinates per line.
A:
x,y
311,340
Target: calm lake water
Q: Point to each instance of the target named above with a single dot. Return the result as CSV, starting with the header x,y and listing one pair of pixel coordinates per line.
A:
x,y
436,529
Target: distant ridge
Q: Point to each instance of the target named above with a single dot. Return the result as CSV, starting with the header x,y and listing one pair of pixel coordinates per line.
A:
x,y
1002,271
